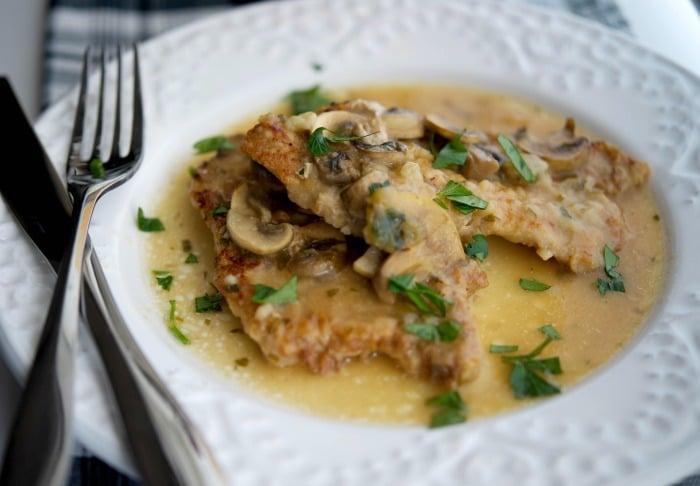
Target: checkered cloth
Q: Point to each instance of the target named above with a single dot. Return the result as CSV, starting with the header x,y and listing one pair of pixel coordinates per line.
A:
x,y
73,24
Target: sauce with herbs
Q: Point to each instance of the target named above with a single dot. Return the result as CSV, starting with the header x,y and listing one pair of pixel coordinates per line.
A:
x,y
594,328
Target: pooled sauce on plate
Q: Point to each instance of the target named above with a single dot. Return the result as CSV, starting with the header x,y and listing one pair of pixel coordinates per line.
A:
x,y
593,327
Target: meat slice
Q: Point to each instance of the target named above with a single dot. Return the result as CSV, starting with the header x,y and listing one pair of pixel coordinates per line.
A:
x,y
566,215
338,315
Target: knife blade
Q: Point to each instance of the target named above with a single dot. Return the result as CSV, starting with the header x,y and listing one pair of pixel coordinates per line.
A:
x,y
166,447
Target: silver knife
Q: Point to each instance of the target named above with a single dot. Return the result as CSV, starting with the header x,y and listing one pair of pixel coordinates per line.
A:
x,y
166,446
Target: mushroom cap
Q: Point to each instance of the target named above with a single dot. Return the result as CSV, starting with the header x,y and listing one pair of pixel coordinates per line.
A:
x,y
248,223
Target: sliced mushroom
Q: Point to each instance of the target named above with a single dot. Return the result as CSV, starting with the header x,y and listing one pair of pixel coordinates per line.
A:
x,y
445,129
248,223
563,150
432,243
401,123
368,264
481,163
319,250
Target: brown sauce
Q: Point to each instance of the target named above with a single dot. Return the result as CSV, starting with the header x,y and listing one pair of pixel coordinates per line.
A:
x,y
594,328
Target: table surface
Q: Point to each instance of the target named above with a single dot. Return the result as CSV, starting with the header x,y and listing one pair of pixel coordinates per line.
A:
x,y
668,27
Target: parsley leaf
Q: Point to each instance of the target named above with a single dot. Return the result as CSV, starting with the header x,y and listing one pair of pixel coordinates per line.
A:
x,y
533,285
446,331
164,278
308,99
516,158
97,168
318,143
210,144
191,258
220,210
478,248
453,153
614,283
378,185
526,378
287,293
148,224
172,326
425,298
462,199
452,409
208,303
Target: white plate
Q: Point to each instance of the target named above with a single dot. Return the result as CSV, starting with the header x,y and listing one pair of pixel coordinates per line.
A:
x,y
637,421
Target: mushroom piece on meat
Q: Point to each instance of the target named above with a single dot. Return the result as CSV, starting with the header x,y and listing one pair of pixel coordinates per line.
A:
x,y
482,161
563,150
249,223
422,240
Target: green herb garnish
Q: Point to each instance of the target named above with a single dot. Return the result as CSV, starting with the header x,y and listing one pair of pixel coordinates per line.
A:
x,y
378,185
445,331
148,224
208,303
462,199
526,378
191,258
97,168
164,278
269,295
614,283
533,285
478,248
210,144
220,210
308,100
503,348
452,409
516,158
425,298
318,143
453,153
173,327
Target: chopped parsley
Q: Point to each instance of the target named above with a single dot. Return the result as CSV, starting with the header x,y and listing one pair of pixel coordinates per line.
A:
x,y
526,377
378,185
462,199
451,409
269,295
477,248
428,300
97,168
614,283
163,278
308,99
387,226
220,210
453,153
516,158
445,331
172,326
191,258
148,224
318,143
208,303
211,144
533,285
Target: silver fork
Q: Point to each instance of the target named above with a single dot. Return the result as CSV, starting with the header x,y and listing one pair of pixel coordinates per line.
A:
x,y
166,446
45,410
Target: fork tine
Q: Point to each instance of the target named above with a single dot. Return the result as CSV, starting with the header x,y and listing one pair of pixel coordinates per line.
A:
x,y
78,121
97,138
136,145
116,134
